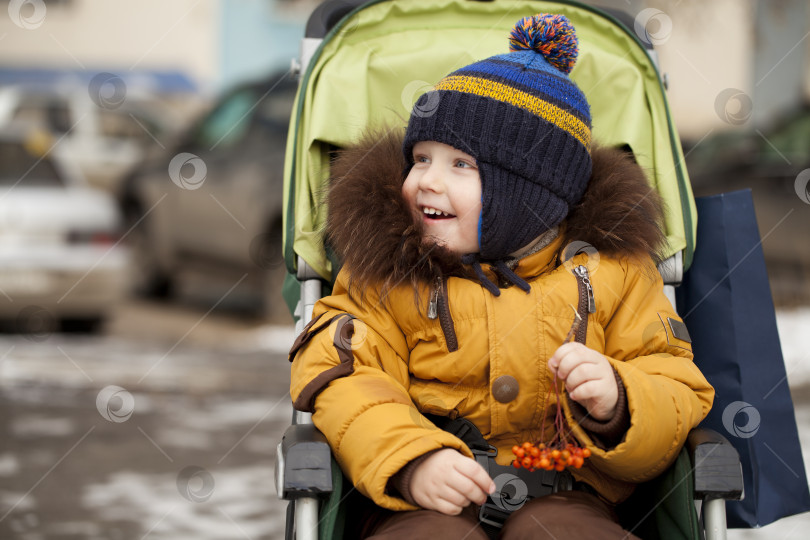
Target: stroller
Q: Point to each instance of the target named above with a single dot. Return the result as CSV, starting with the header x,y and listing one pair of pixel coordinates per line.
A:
x,y
365,64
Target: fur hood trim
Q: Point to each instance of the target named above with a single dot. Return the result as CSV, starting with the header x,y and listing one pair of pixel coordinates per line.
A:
x,y
374,234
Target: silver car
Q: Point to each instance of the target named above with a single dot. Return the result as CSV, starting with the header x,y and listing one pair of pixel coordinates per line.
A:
x,y
60,259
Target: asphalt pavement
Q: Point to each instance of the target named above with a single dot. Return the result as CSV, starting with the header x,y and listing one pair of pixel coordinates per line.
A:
x,y
163,427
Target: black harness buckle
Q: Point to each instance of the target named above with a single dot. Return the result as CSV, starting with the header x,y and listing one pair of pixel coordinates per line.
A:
x,y
513,487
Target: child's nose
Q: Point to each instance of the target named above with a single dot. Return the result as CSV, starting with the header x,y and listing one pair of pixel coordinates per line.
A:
x,y
432,179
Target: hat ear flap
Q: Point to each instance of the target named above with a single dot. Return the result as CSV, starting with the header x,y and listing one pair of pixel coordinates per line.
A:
x,y
514,211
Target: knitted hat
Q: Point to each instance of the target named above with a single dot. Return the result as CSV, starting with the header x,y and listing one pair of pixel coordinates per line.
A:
x,y
527,125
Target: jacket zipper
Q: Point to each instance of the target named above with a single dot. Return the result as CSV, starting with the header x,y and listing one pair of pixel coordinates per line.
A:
x,y
439,308
587,303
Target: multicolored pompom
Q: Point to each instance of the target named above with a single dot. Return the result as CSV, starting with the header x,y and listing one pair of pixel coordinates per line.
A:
x,y
551,35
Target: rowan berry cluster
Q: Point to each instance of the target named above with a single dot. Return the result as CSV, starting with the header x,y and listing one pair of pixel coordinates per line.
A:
x,y
532,457
563,450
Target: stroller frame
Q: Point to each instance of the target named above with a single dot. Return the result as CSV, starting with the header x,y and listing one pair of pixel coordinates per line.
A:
x,y
304,467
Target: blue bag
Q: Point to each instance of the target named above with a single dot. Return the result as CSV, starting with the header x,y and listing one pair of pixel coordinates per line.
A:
x,y
726,304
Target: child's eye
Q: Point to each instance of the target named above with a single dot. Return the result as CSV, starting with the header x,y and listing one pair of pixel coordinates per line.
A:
x,y
465,164
420,159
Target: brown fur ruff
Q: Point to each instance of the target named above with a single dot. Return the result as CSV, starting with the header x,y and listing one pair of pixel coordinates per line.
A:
x,y
373,232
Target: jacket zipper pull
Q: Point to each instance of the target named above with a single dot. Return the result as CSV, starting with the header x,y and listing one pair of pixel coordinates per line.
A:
x,y
582,272
433,305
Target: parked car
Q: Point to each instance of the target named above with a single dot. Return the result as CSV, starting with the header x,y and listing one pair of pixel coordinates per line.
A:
x,y
210,205
104,143
58,254
770,157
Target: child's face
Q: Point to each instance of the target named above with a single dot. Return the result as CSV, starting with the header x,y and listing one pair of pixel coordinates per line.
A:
x,y
443,190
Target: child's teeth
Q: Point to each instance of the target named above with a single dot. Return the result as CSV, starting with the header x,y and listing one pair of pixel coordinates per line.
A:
x,y
433,212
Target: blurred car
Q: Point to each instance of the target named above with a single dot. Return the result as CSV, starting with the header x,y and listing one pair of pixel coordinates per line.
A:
x,y
103,143
769,162
770,157
210,205
58,254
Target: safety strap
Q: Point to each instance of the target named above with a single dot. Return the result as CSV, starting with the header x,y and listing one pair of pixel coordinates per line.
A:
x,y
343,344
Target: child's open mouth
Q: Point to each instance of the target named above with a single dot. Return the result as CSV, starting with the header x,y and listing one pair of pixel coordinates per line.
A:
x,y
433,213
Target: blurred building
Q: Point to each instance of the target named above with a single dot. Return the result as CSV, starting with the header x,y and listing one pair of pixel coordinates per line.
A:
x,y
188,48
757,48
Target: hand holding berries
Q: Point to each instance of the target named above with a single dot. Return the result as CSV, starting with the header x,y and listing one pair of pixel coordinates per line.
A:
x,y
588,378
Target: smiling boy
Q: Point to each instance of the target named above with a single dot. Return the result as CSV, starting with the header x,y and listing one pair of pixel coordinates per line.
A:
x,y
455,299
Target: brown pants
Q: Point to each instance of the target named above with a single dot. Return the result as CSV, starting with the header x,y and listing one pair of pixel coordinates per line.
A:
x,y
568,515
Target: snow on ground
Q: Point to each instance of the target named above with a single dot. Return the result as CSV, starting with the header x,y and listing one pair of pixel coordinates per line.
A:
x,y
239,495
794,332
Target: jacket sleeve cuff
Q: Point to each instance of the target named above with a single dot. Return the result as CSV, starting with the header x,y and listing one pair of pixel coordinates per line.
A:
x,y
400,483
610,433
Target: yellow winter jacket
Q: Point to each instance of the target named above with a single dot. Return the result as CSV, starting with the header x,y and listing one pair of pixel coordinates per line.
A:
x,y
397,362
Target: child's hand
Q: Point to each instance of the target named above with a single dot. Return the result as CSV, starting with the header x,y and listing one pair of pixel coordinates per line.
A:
x,y
588,378
448,481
